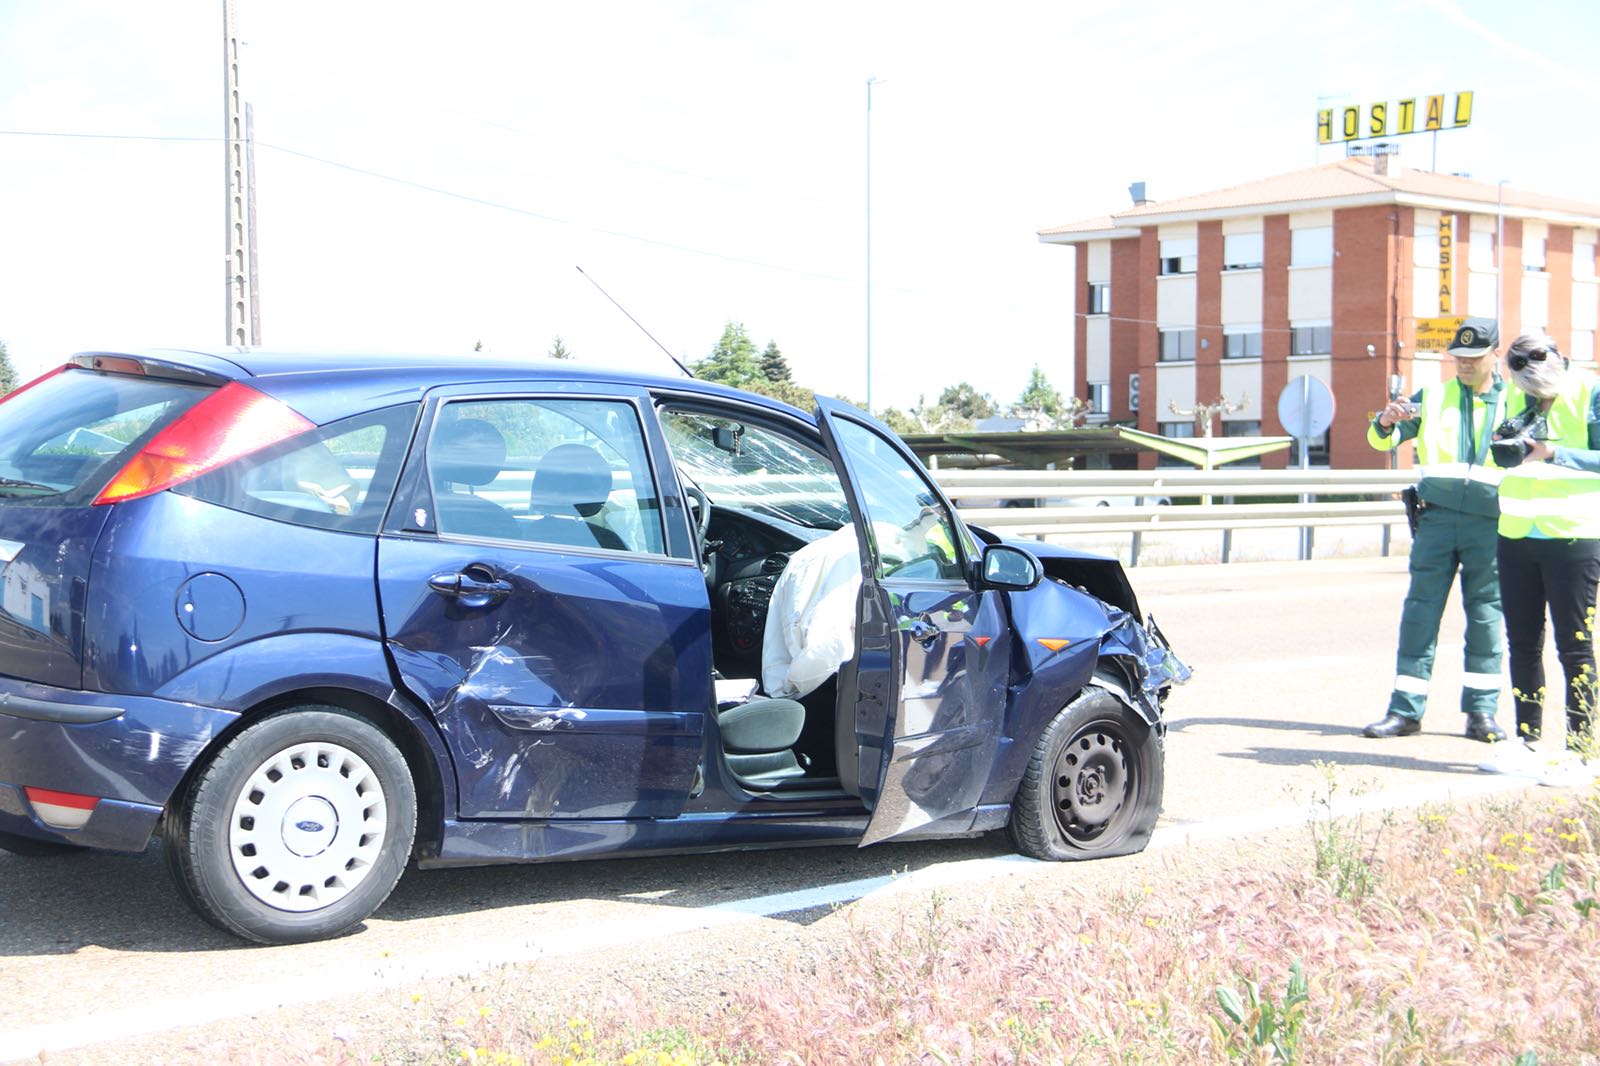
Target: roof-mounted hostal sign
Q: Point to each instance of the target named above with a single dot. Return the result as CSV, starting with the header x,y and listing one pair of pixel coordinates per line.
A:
x,y
1415,114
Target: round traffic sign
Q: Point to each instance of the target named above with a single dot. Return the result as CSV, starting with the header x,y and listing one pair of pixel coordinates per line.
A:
x,y
1305,407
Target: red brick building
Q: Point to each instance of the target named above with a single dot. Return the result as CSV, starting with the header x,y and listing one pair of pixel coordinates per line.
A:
x,y
1342,272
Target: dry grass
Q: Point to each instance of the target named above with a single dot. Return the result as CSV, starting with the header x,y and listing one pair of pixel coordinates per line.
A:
x,y
1476,939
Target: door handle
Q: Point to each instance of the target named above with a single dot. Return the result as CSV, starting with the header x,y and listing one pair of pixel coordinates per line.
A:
x,y
474,587
923,632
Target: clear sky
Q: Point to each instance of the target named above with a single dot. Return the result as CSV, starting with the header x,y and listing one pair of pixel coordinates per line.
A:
x,y
430,175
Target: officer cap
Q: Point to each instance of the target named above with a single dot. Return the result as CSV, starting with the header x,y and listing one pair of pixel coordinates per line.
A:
x,y
1477,336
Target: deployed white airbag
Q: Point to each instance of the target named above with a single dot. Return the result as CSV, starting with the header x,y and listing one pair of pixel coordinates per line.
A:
x,y
811,622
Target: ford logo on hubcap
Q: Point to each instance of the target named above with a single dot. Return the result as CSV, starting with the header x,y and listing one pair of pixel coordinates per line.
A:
x,y
308,826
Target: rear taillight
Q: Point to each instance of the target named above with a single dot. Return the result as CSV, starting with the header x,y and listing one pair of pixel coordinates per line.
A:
x,y
232,422
61,810
14,393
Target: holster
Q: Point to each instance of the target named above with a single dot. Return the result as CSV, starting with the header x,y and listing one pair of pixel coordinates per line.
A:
x,y
1414,506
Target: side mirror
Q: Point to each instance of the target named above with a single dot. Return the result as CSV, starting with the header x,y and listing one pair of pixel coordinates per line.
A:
x,y
1013,569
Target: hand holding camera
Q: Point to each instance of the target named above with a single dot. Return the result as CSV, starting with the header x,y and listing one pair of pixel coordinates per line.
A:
x,y
1398,411
1521,439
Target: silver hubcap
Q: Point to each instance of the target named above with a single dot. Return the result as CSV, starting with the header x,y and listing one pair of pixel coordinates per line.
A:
x,y
308,827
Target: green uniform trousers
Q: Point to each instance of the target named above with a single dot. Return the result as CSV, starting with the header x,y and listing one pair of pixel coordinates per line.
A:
x,y
1448,541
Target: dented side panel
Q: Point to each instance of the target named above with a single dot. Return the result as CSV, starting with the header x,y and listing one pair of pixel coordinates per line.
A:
x,y
580,694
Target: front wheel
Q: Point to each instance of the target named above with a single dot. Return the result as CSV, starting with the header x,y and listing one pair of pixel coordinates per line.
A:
x,y
297,830
1093,786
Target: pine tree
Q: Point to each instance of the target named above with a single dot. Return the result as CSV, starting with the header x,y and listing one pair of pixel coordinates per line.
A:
x,y
732,361
8,373
559,350
1040,400
773,365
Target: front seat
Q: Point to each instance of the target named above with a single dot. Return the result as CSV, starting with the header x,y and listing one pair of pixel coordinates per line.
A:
x,y
469,452
758,739
570,485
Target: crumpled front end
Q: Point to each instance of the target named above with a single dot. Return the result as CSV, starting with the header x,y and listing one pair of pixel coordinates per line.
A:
x,y
1149,665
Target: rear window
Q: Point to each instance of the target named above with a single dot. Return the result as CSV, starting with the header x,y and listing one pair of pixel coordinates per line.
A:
x,y
62,438
339,476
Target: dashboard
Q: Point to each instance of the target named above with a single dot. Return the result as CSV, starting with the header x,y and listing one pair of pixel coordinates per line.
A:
x,y
748,552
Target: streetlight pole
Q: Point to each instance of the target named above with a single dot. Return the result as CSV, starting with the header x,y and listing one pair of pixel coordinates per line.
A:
x,y
870,82
1499,250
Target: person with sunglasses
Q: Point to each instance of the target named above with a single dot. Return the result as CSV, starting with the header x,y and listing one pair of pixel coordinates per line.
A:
x,y
1549,539
1451,423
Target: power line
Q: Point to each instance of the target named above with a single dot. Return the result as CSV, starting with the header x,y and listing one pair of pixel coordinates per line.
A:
x,y
465,197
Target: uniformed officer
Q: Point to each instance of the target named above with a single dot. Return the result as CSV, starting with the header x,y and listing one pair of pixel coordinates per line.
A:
x,y
1452,423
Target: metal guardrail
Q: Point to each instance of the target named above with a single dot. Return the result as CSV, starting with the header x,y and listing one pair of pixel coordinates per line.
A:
x,y
1042,503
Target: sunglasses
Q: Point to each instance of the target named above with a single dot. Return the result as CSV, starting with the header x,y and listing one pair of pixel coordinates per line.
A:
x,y
1520,360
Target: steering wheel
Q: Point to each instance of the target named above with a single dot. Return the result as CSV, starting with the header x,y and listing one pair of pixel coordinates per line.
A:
x,y
701,513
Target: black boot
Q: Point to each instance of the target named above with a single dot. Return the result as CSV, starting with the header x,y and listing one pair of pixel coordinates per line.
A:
x,y
1481,726
1393,725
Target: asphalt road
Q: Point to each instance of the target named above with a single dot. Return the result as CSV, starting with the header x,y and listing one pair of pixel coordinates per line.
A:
x,y
1291,659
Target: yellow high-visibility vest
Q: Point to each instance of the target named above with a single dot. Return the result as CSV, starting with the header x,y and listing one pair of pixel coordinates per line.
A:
x,y
1457,469
1559,502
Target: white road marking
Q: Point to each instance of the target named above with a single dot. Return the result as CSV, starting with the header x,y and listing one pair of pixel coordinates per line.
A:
x,y
205,1008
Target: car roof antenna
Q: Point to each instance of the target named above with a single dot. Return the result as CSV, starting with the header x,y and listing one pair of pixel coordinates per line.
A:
x,y
687,372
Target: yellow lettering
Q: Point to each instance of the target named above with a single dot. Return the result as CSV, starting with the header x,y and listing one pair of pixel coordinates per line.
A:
x,y
1352,123
1447,242
1463,115
1377,120
1407,122
1325,126
1435,119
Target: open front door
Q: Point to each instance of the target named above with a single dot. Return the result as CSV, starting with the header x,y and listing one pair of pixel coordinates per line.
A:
x,y
933,652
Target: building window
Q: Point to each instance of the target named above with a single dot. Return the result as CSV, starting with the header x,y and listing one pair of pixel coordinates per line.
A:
x,y
1311,247
1180,430
1177,345
1133,392
1319,451
1583,261
1241,251
1242,345
1480,252
1243,428
1533,254
1425,246
1179,256
1311,340
1099,297
1099,399
1582,346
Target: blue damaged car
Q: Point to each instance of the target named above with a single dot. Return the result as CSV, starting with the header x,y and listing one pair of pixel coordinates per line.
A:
x,y
309,618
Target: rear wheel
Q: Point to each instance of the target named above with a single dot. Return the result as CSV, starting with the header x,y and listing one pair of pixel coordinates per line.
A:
x,y
1093,786
297,830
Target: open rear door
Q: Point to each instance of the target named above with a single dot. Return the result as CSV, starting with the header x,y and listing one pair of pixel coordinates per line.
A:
x,y
933,652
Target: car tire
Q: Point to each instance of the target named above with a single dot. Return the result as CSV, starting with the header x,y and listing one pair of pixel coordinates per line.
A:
x,y
28,847
296,830
1093,785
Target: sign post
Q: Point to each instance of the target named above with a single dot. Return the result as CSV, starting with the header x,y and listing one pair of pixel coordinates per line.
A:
x,y
1305,410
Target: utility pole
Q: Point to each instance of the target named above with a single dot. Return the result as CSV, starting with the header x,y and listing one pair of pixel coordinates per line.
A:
x,y
870,82
237,244
250,215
